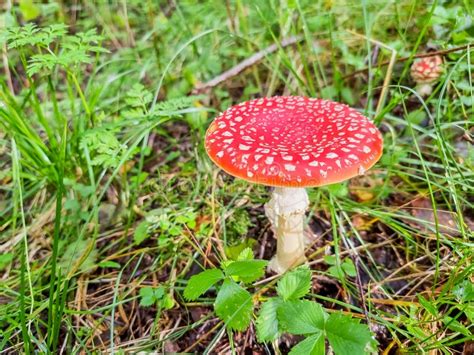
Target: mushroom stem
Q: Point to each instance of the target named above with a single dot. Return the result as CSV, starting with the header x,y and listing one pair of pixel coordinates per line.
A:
x,y
424,89
286,212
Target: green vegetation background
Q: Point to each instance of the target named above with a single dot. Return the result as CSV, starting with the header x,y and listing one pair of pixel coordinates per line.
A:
x,y
109,205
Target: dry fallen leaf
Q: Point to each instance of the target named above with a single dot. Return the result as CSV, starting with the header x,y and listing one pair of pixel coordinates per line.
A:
x,y
422,210
362,187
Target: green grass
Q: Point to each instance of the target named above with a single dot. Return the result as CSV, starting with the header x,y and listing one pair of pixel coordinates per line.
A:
x,y
105,187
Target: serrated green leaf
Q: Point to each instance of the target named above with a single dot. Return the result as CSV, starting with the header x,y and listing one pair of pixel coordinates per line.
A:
x,y
347,336
247,270
246,254
234,306
312,345
295,284
150,295
200,283
147,297
267,321
301,317
159,292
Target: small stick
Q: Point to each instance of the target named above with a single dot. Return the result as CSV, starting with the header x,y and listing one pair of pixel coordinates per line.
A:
x,y
361,288
247,63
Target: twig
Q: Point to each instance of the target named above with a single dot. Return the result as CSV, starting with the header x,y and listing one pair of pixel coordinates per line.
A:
x,y
360,288
247,63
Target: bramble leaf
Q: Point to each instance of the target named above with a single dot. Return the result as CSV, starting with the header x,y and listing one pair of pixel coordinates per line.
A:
x,y
347,336
247,270
301,317
312,345
234,306
295,284
267,321
246,254
200,283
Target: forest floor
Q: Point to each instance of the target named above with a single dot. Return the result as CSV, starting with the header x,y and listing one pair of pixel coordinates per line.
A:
x,y
109,203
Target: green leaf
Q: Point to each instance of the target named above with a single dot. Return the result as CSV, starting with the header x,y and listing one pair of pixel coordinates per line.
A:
x,y
234,306
138,96
330,259
105,149
456,326
431,308
464,291
416,117
312,345
167,302
469,311
349,268
301,317
29,10
336,272
150,295
295,284
147,297
5,260
200,283
338,190
110,264
246,254
247,270
80,254
233,252
347,336
141,232
267,321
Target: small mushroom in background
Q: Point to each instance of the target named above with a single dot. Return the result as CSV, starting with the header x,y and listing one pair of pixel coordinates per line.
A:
x,y
425,72
291,143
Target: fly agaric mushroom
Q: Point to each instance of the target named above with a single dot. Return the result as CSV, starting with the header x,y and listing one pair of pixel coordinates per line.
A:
x,y
425,71
291,143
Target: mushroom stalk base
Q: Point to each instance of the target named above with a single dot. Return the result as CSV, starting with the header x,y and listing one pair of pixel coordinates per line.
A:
x,y
424,89
286,212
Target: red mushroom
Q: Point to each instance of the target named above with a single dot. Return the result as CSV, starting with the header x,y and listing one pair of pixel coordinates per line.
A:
x,y
292,143
425,71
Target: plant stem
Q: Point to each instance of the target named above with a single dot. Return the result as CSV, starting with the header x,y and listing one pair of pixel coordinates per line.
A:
x,y
286,211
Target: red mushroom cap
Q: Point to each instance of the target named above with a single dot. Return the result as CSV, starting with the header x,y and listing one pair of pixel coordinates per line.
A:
x,y
292,141
427,70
